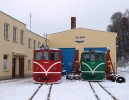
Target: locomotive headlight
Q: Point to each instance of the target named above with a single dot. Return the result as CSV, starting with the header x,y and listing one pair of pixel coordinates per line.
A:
x,y
37,68
54,68
85,68
100,68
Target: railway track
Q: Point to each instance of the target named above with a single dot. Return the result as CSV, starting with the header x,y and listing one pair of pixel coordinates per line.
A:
x,y
49,93
97,88
99,91
38,89
35,92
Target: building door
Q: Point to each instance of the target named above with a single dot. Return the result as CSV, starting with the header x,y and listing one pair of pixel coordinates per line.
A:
x,y
68,56
13,67
21,67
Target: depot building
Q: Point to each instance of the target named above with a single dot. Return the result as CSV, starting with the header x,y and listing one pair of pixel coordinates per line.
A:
x,y
84,39
17,44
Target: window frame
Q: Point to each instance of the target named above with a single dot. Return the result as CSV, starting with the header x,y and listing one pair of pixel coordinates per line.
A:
x,y
39,43
21,37
5,67
86,57
93,57
29,64
6,31
34,44
29,43
98,55
14,34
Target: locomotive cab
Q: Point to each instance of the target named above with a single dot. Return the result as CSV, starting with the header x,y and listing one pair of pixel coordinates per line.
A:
x,y
93,65
47,66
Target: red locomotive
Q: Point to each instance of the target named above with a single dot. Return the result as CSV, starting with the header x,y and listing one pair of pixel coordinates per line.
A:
x,y
47,65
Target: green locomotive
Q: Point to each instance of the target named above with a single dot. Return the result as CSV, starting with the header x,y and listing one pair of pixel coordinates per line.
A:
x,y
93,65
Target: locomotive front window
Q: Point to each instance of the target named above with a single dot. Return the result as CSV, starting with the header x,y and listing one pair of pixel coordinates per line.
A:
x,y
46,56
86,57
99,57
38,55
92,57
54,56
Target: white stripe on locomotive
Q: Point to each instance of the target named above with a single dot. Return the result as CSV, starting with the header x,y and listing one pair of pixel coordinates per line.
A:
x,y
46,71
93,71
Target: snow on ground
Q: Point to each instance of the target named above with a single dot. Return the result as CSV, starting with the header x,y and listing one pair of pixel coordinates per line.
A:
x,y
72,90
42,93
23,89
119,90
17,89
102,94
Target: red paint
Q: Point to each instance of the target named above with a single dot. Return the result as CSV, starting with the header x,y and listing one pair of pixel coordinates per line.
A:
x,y
47,70
76,65
109,65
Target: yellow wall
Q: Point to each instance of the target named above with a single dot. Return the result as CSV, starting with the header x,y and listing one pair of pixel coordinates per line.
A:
x,y
93,39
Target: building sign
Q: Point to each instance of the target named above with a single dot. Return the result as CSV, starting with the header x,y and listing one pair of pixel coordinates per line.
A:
x,y
79,39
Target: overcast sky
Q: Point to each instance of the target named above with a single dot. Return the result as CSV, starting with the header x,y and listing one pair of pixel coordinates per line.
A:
x,y
50,16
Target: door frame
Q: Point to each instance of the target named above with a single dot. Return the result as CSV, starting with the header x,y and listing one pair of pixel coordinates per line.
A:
x,y
21,67
13,67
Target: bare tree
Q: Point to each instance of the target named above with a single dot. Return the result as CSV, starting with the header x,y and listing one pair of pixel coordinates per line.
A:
x,y
120,25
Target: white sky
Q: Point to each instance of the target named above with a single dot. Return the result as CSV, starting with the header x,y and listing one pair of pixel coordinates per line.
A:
x,y
50,16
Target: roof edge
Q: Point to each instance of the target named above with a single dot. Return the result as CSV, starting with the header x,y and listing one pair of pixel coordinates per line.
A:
x,y
12,17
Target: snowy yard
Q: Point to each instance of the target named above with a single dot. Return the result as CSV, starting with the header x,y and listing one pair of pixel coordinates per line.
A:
x,y
23,89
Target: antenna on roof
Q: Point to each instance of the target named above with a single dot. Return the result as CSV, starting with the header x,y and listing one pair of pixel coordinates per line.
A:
x,y
30,21
46,41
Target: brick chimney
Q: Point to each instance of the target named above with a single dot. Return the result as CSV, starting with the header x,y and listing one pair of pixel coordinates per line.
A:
x,y
73,22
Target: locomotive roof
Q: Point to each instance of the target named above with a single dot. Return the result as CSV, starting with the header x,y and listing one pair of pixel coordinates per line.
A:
x,y
95,51
47,49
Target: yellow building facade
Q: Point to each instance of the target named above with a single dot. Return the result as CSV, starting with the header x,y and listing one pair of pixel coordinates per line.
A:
x,y
16,48
81,38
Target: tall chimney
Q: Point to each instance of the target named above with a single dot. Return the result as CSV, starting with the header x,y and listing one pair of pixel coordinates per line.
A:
x,y
73,22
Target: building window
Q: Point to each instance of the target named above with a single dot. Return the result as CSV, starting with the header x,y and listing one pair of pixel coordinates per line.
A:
x,y
39,44
29,64
34,44
14,34
29,42
22,37
5,67
6,31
